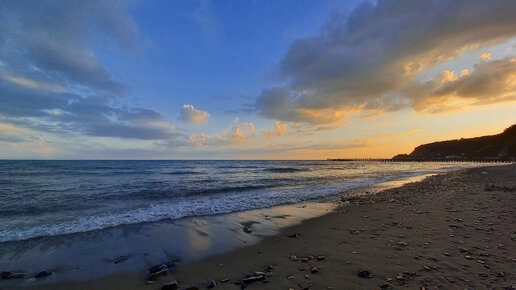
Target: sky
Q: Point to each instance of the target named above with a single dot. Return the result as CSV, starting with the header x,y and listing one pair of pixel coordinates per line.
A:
x,y
115,79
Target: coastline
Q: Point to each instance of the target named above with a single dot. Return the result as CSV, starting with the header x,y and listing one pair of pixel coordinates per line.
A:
x,y
444,231
92,255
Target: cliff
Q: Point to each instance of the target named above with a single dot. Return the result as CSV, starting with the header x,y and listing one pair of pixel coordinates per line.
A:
x,y
500,146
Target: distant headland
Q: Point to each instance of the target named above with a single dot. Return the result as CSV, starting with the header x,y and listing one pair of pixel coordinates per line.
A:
x,y
493,148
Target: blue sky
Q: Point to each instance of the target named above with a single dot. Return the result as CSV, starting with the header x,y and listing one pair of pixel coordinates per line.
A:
x,y
251,79
217,55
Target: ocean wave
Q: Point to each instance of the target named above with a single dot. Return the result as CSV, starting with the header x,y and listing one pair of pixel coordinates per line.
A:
x,y
205,206
235,199
182,172
285,169
153,194
229,189
237,167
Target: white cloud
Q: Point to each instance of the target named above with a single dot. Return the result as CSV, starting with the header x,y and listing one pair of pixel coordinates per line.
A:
x,y
191,115
236,134
31,84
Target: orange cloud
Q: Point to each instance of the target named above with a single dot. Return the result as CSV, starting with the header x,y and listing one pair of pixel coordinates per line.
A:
x,y
490,82
237,134
189,114
337,71
199,139
486,56
280,129
6,128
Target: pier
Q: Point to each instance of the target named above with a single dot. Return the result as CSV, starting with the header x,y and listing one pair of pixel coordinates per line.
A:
x,y
421,160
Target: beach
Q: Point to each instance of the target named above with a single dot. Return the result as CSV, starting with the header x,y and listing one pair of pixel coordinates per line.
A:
x,y
449,231
293,145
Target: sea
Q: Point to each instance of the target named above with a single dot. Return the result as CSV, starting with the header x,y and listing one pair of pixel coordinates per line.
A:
x,y
50,198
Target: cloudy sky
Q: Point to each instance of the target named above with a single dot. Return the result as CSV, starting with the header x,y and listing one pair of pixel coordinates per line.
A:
x,y
251,79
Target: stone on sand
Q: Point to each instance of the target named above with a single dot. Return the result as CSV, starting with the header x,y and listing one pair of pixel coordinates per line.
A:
x,y
43,274
364,273
170,286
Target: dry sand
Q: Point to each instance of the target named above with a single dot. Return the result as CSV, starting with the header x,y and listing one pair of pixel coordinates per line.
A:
x,y
445,232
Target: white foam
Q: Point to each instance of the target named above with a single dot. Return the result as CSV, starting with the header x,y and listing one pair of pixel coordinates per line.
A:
x,y
201,206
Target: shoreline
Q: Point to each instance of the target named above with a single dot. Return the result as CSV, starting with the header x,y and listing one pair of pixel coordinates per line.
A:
x,y
81,257
424,240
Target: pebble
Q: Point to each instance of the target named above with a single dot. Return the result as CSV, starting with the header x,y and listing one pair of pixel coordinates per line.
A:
x,y
170,286
43,274
10,275
253,279
247,230
293,258
314,269
211,284
158,270
320,258
364,273
121,259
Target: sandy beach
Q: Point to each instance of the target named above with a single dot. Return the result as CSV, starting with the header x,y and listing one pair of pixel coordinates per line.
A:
x,y
293,145
449,231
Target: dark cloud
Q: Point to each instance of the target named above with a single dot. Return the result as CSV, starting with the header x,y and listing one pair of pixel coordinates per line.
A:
x,y
72,114
364,62
50,40
10,138
52,81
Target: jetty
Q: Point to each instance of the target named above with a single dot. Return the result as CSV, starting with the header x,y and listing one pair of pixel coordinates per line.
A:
x,y
421,160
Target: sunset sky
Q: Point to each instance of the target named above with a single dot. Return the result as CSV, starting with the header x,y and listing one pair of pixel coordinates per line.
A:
x,y
251,79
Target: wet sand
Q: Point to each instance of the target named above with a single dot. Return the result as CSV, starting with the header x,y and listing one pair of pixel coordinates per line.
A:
x,y
446,232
